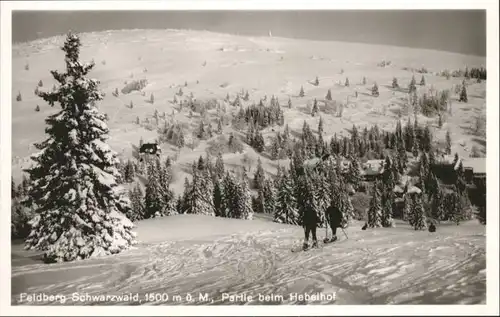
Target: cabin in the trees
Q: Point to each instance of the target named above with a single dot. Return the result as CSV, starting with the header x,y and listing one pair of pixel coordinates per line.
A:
x,y
475,176
149,149
474,169
345,164
373,169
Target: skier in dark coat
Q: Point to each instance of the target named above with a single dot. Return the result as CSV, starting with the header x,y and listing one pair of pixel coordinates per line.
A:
x,y
307,210
310,223
334,217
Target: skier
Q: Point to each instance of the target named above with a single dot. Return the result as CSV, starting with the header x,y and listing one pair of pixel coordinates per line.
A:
x,y
308,215
309,222
334,217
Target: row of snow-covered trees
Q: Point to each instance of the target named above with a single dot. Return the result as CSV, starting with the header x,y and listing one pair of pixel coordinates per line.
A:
x,y
212,191
261,116
475,72
368,143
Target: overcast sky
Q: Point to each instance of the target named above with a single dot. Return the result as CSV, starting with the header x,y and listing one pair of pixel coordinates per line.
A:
x,y
455,31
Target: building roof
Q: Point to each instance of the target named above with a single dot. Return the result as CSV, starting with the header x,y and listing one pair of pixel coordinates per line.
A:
x,y
478,164
398,189
373,167
414,190
344,163
445,159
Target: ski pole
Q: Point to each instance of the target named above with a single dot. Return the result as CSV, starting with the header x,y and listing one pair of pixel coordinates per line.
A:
x,y
344,233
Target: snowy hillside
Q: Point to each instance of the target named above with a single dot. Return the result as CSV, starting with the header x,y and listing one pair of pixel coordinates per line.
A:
x,y
267,99
217,65
192,254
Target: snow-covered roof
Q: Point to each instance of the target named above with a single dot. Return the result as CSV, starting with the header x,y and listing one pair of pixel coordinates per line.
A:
x,y
477,164
398,189
414,190
373,167
445,159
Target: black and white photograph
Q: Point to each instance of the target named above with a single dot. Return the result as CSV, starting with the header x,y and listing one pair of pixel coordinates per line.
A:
x,y
249,157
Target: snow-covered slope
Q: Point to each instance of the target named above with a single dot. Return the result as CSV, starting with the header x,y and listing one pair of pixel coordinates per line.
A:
x,y
215,65
191,254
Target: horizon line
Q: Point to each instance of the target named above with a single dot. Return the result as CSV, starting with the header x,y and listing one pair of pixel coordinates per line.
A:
x,y
299,38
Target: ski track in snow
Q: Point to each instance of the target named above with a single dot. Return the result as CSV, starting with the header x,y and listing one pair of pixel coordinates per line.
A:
x,y
381,266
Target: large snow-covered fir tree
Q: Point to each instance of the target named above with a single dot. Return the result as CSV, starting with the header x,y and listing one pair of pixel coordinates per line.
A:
x,y
78,204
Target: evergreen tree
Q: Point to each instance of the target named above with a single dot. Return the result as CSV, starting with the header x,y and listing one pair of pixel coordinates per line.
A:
x,y
375,210
346,82
448,143
219,126
259,143
269,197
137,202
165,178
375,91
315,108
307,199
202,133
427,139
78,204
416,144
316,81
419,220
180,141
289,103
37,108
395,83
218,197
422,81
402,157
219,167
407,208
200,198
129,172
413,85
320,126
259,176
245,201
387,220
259,204
154,201
388,176
329,95
302,93
286,206
354,174
364,81
438,207
463,94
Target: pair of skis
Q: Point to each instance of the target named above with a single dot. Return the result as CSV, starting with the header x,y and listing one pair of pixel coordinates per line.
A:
x,y
326,241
